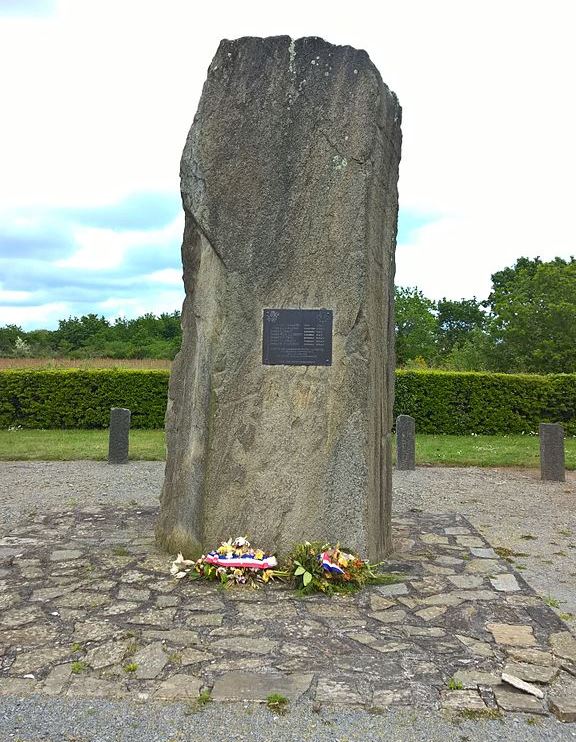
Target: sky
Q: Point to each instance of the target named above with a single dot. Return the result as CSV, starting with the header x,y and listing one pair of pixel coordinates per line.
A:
x,y
97,97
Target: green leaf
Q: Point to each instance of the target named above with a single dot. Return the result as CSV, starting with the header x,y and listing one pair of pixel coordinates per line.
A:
x,y
299,571
307,579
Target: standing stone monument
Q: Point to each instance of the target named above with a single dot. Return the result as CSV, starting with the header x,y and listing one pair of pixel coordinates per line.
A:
x,y
552,462
405,443
280,400
119,435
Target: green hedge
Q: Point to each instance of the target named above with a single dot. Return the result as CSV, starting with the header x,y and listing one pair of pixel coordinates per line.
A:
x,y
81,398
440,401
460,403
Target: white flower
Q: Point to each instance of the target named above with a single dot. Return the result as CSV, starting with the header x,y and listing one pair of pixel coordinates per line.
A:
x,y
179,563
241,541
272,561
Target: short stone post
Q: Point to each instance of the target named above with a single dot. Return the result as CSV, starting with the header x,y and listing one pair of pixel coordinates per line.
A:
x,y
405,443
118,440
552,466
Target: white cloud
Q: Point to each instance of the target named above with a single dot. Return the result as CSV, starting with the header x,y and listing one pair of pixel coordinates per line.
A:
x,y
169,276
164,301
14,296
46,315
100,97
102,249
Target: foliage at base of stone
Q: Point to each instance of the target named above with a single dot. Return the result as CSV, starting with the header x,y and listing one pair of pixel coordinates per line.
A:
x,y
311,567
232,562
318,567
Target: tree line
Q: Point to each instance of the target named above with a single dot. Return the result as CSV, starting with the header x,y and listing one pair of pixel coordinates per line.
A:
x,y
527,324
91,336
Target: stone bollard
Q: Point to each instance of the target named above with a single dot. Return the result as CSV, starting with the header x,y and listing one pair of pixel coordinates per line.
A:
x,y
552,452
405,443
118,440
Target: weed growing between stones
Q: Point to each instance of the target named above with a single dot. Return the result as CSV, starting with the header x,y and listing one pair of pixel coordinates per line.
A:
x,y
78,666
193,707
507,554
131,667
454,684
277,703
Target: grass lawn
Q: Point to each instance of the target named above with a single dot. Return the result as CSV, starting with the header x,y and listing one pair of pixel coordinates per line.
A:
x,y
438,450
66,445
485,450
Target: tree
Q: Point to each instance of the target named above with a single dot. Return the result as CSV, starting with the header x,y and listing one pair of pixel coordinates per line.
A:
x,y
533,316
8,335
77,333
472,353
415,326
456,320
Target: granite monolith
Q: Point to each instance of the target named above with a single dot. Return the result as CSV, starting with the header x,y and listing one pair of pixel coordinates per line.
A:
x,y
289,188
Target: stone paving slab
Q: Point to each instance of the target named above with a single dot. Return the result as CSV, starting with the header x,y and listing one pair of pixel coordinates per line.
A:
x,y
88,609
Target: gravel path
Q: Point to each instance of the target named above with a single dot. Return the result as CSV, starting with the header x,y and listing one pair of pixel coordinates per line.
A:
x,y
512,508
33,720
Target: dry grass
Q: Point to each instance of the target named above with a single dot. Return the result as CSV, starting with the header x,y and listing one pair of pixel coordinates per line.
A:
x,y
44,363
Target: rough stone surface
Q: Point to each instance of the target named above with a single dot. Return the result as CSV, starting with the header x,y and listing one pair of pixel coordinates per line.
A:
x,y
532,656
474,678
482,553
333,691
505,583
239,686
288,182
466,581
476,647
371,649
118,440
531,673
564,645
56,680
179,688
512,634
405,443
106,654
552,466
398,588
150,661
515,700
462,700
562,701
522,685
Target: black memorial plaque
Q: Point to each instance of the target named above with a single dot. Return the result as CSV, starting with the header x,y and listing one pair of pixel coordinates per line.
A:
x,y
297,337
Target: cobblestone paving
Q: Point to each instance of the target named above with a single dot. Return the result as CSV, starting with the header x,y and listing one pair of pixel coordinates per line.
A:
x,y
88,609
